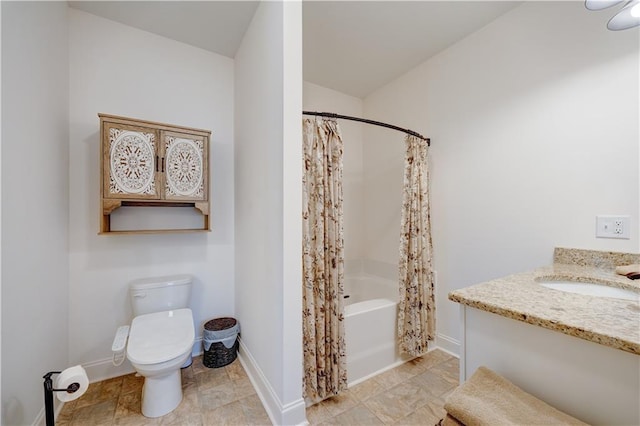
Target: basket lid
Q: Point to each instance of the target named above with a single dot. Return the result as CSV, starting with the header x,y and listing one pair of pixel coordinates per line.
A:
x,y
220,324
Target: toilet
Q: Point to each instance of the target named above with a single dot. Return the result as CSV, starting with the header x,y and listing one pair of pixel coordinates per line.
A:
x,y
161,339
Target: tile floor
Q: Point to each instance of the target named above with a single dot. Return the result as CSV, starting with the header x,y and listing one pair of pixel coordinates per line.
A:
x,y
211,396
411,394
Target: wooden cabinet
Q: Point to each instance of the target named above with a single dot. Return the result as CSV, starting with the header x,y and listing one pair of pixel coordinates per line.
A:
x,y
153,164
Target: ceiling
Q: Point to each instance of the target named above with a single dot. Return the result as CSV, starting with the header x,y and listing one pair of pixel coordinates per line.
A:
x,y
353,47
217,26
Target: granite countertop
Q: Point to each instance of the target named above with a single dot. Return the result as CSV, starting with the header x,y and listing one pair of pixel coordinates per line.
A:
x,y
610,322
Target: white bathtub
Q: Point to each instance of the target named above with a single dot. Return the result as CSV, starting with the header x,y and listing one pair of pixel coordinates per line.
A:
x,y
370,326
368,287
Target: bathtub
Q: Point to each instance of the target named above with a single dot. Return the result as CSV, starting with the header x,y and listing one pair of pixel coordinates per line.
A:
x,y
370,326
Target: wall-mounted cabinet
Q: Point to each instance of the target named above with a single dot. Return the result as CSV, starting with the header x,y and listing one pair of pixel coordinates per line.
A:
x,y
153,164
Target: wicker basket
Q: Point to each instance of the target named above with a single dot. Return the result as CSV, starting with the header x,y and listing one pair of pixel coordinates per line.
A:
x,y
218,355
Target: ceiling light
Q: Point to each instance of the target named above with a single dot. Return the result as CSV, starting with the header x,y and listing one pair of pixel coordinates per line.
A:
x,y
628,17
600,4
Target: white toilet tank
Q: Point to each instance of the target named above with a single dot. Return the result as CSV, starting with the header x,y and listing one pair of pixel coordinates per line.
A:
x,y
149,295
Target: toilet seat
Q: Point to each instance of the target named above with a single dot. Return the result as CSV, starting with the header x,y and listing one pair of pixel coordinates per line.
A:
x,y
160,336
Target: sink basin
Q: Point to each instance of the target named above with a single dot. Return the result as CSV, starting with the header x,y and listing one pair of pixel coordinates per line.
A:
x,y
592,289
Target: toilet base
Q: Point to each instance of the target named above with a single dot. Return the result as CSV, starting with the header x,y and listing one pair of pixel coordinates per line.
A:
x,y
161,395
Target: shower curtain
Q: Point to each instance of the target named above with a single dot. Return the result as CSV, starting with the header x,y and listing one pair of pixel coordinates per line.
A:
x,y
323,261
416,307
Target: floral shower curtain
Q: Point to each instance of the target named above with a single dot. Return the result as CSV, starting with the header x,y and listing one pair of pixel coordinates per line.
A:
x,y
323,261
416,308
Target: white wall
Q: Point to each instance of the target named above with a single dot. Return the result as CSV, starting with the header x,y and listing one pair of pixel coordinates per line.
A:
x,y
318,98
268,100
534,124
35,203
120,70
383,159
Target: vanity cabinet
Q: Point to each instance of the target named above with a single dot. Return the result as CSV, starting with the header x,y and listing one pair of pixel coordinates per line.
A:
x,y
153,164
562,370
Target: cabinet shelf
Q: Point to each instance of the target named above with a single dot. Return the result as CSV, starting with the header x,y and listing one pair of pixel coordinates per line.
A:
x,y
154,231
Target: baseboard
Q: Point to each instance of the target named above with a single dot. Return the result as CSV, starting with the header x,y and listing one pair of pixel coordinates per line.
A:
x,y
104,369
292,413
375,373
448,344
41,419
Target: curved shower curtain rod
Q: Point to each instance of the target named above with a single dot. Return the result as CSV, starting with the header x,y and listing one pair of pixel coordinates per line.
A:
x,y
364,120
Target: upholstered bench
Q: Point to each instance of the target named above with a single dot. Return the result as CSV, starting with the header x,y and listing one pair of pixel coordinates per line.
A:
x,y
489,399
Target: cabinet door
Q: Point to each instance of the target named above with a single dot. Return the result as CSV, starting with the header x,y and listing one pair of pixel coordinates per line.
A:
x,y
185,165
130,162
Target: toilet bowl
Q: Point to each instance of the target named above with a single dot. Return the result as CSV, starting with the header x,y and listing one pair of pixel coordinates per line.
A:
x,y
159,344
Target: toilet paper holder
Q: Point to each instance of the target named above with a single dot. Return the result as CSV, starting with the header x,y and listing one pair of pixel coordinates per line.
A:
x,y
48,395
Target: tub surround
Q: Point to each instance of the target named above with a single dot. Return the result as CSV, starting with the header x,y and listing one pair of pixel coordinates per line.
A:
x,y
607,321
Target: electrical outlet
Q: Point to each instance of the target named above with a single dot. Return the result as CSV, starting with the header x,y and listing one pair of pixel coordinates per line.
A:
x,y
613,227
618,227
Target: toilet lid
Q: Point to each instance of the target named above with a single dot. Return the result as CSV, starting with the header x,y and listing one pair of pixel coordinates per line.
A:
x,y
160,336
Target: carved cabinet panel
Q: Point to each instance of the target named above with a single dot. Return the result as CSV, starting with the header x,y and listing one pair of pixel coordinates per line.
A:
x,y
152,164
185,159
130,161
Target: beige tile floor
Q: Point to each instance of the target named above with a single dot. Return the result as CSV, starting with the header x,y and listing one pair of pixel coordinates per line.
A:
x,y
411,394
211,396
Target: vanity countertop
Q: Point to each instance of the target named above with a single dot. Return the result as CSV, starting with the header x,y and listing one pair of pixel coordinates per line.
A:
x,y
610,322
